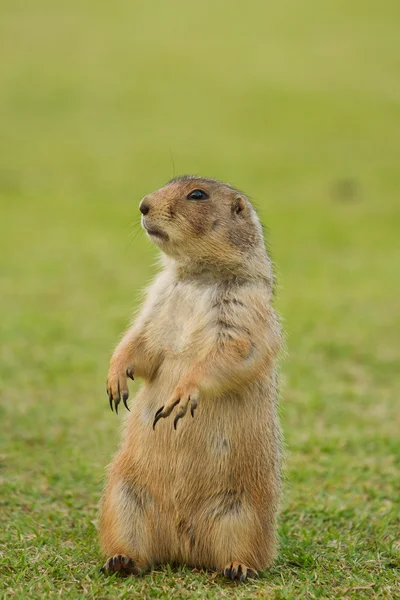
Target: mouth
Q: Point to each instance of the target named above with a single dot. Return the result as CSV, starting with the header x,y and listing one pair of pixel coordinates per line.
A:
x,y
156,233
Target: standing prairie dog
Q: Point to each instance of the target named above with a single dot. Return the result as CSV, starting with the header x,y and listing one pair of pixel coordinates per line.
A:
x,y
196,480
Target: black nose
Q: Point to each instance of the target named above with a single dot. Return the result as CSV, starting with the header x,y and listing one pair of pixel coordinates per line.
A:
x,y
144,206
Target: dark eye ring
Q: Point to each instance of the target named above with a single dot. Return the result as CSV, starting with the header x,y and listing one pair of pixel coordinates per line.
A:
x,y
197,195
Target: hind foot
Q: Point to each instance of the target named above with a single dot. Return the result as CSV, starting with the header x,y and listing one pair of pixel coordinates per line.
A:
x,y
239,572
122,564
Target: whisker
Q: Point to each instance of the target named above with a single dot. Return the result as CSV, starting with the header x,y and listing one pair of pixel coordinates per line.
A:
x,y
173,162
135,230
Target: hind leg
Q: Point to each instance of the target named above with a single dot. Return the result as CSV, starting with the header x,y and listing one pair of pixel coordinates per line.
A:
x,y
124,528
232,536
243,545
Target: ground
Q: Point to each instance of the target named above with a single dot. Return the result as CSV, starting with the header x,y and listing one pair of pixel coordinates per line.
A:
x,y
299,106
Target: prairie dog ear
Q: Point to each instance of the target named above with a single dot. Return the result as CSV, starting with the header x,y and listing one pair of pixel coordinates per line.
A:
x,y
238,205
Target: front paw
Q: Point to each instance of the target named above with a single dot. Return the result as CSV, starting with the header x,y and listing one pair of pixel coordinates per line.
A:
x,y
183,398
117,385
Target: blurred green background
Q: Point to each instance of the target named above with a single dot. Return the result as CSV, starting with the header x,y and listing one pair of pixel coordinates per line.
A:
x,y
296,103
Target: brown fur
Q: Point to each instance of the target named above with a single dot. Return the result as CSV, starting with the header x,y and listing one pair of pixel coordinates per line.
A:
x,y
205,344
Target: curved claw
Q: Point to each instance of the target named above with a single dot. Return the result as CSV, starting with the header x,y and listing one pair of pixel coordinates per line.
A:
x,y
110,398
125,396
252,574
165,411
181,413
239,572
234,572
129,373
117,400
193,406
157,416
159,410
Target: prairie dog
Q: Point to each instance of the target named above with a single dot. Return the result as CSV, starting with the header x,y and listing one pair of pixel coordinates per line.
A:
x,y
196,480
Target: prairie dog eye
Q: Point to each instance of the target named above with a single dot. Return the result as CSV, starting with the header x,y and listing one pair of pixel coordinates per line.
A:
x,y
197,195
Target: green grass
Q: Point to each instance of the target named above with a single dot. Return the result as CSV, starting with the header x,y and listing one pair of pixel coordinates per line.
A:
x,y
285,100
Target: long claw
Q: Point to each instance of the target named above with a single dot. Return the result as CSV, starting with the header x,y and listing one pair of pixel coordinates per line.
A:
x,y
125,396
159,410
252,574
158,416
110,398
165,411
117,400
193,407
227,571
181,413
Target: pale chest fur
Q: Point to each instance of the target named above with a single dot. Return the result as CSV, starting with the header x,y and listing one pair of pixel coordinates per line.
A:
x,y
183,319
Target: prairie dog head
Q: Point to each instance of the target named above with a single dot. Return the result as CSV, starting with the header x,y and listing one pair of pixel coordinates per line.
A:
x,y
201,219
